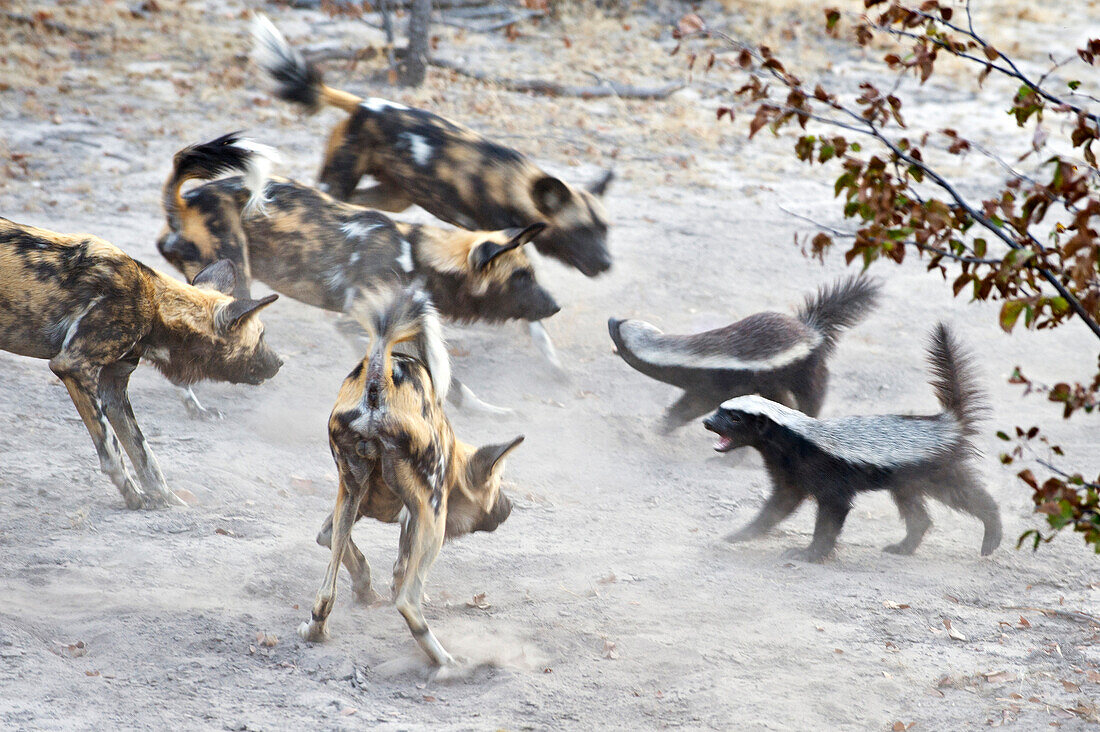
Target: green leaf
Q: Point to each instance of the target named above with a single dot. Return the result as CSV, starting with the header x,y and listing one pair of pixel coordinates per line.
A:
x,y
1010,313
856,147
979,247
1074,84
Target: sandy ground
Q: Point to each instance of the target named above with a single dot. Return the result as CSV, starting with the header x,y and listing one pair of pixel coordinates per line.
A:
x,y
608,598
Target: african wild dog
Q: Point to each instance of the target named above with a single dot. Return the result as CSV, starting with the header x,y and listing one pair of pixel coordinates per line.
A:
x,y
775,355
834,459
303,243
95,313
452,172
398,461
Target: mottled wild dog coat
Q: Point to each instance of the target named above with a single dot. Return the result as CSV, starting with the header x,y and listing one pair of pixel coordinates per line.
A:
x,y
771,354
303,243
95,313
398,461
834,459
454,173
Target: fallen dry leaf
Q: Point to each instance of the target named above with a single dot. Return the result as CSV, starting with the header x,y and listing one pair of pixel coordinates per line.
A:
x,y
1070,686
349,711
1000,677
223,532
901,726
267,640
607,580
186,496
1024,622
1093,676
951,632
429,698
690,23
91,673
609,650
76,650
479,602
304,486
891,605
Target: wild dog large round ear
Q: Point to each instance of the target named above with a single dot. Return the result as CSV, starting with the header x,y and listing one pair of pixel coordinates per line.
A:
x,y
483,253
599,186
550,195
237,311
520,236
487,458
220,276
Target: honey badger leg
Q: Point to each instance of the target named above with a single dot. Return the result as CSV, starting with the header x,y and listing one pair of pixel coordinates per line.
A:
x,y
961,490
344,514
830,520
780,504
910,505
689,407
116,403
384,197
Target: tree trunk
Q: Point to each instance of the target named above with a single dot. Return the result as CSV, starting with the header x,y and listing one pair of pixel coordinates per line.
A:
x,y
412,69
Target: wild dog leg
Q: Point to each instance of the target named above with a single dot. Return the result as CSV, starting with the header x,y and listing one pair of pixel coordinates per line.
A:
x,y
910,505
384,197
82,390
544,344
781,503
426,528
196,409
324,536
400,566
116,403
827,526
464,398
347,508
359,569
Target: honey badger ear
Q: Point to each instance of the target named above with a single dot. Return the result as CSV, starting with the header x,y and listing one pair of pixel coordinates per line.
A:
x,y
236,312
550,195
487,458
220,276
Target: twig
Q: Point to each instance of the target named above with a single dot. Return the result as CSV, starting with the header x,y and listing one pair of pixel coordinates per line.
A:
x,y
1067,476
554,89
1075,615
513,17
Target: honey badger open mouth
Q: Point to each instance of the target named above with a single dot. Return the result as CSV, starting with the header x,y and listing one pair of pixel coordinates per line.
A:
x,y
723,443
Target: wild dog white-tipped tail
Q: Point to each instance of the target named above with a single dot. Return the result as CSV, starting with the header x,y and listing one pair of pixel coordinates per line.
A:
x,y
257,170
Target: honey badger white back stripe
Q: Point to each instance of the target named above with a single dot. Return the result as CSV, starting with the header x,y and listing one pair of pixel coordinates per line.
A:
x,y
884,440
651,345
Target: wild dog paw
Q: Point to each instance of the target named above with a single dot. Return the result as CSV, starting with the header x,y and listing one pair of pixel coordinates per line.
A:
x,y
451,670
157,500
313,632
900,548
367,597
198,411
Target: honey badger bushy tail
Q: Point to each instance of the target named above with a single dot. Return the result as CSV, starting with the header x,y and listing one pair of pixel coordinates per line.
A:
x,y
401,316
839,305
227,154
297,80
954,381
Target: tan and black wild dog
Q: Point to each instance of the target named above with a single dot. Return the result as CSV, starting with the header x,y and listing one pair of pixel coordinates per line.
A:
x,y
399,462
95,313
452,172
305,244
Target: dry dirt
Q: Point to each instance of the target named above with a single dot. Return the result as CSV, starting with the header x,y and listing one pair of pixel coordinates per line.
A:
x,y
609,598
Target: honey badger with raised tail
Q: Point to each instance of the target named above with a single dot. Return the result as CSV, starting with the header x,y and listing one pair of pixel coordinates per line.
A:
x,y
417,157
780,357
834,459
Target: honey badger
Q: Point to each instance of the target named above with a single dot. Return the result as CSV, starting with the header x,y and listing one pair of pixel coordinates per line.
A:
x,y
452,172
399,462
834,459
303,243
775,355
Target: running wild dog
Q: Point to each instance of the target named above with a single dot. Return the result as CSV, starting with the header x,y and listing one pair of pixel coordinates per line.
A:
x,y
834,459
779,357
303,243
95,313
399,462
452,172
